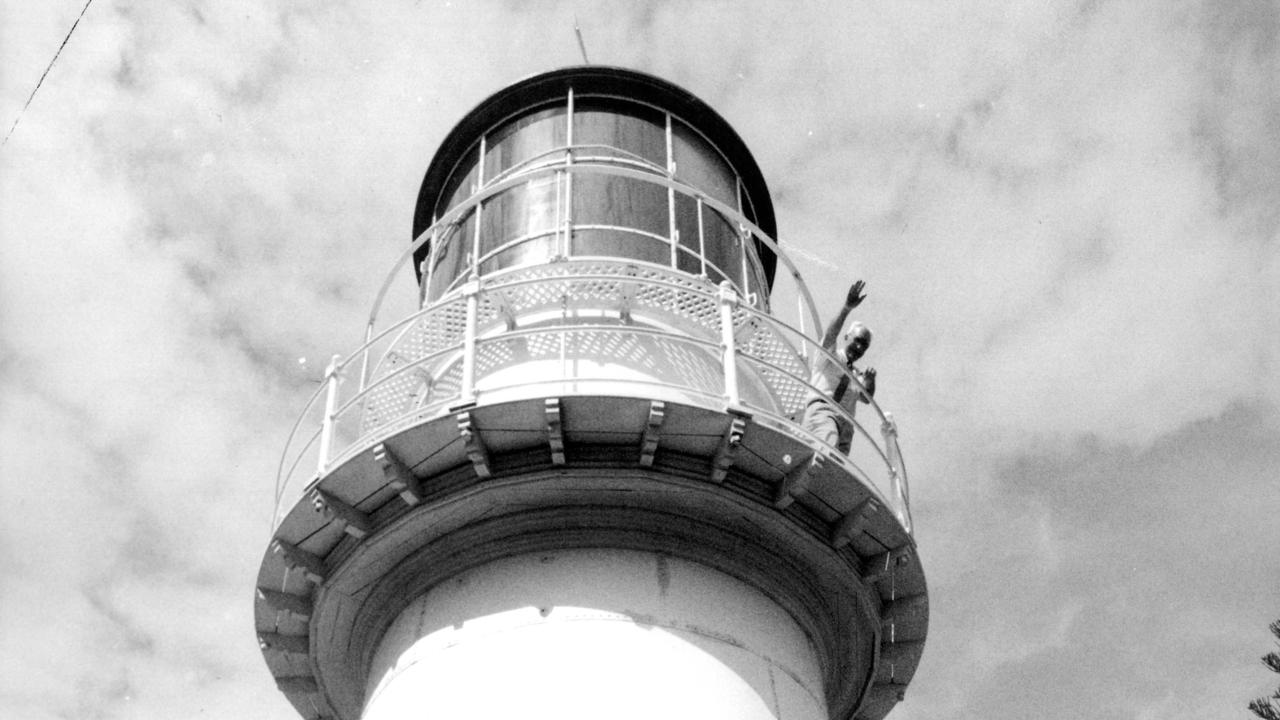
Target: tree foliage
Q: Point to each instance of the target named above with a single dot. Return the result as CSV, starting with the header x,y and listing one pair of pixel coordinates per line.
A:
x,y
1268,708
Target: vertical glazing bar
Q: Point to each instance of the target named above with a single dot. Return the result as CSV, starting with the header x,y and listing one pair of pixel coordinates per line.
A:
x,y
672,231
728,300
671,158
330,402
568,181
480,180
702,241
568,131
475,243
472,293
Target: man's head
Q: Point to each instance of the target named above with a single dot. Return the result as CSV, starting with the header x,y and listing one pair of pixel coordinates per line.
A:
x,y
857,340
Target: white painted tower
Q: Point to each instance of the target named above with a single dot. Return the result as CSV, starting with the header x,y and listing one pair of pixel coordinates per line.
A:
x,y
568,479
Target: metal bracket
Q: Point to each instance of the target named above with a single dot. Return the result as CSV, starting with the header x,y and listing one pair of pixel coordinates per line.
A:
x,y
297,605
900,610
292,644
354,522
476,451
894,654
728,448
878,566
555,430
852,522
311,565
398,475
649,444
297,684
795,482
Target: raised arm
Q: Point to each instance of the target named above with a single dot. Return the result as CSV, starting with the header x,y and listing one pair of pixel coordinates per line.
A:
x,y
852,300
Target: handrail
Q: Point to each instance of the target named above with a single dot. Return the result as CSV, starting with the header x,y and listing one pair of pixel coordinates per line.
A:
x,y
790,371
494,188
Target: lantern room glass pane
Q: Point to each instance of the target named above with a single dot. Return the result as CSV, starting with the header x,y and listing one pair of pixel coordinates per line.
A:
x,y
700,165
724,247
523,139
636,129
600,199
618,243
624,206
525,211
449,255
689,258
462,184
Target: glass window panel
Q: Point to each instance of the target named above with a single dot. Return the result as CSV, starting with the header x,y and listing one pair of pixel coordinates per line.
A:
x,y
600,199
449,256
698,164
723,245
689,258
532,251
524,209
523,139
637,129
461,184
619,244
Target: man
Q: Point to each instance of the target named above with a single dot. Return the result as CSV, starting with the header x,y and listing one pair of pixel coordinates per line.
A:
x,y
832,383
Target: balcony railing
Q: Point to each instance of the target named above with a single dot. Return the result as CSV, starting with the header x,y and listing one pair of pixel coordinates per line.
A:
x,y
547,330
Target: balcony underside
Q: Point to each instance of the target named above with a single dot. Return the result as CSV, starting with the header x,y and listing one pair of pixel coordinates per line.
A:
x,y
747,495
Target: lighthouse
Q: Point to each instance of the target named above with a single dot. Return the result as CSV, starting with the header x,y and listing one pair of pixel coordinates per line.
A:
x,y
565,474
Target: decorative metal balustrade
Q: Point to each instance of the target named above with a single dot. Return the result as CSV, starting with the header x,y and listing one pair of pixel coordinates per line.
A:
x,y
583,326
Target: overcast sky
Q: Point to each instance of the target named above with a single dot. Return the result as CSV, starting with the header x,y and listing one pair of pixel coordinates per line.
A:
x,y
1067,215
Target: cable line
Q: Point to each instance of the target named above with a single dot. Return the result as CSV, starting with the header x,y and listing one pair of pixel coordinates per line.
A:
x,y
46,72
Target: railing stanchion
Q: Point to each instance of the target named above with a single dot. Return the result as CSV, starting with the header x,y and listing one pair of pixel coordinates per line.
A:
x,y
897,473
729,300
331,375
364,359
472,292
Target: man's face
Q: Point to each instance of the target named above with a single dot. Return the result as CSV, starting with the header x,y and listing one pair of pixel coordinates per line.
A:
x,y
857,346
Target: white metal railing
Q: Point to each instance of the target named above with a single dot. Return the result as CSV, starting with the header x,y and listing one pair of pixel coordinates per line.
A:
x,y
450,352
436,356
594,165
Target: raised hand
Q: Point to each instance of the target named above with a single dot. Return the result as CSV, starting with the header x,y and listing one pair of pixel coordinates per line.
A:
x,y
869,380
855,296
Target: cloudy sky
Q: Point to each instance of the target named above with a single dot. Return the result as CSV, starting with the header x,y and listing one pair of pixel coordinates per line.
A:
x,y
1067,214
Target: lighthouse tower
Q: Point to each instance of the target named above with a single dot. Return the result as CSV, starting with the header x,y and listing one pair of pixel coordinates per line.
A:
x,y
565,474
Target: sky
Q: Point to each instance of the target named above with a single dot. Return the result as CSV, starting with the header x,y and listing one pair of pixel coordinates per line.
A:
x,y
1067,215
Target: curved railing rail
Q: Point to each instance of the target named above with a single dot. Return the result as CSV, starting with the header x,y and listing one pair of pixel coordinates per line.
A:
x,y
731,350
591,165
722,353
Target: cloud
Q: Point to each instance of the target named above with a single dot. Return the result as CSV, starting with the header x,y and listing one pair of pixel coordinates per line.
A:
x,y
1065,213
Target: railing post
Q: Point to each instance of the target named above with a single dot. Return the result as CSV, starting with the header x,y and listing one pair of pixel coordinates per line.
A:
x,y
897,473
728,344
472,293
364,359
331,376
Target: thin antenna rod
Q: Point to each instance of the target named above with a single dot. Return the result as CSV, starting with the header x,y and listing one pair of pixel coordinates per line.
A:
x,y
50,67
581,45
